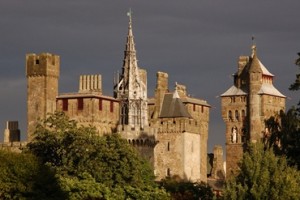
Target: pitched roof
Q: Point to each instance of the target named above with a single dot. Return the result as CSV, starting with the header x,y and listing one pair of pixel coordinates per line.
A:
x,y
233,90
173,107
264,69
269,89
257,65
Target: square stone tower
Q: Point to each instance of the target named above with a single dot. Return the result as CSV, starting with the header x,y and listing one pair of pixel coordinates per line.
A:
x,y
42,72
246,105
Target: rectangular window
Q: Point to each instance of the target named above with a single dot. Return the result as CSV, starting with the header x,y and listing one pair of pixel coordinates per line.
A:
x,y
111,106
194,107
80,103
65,104
100,104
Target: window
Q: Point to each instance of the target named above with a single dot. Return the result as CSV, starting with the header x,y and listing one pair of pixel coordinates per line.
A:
x,y
100,104
202,109
80,104
230,115
65,104
37,61
194,107
237,115
168,172
243,114
168,146
111,106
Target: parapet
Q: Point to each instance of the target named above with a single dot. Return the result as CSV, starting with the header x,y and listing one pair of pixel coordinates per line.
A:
x,y
90,84
44,64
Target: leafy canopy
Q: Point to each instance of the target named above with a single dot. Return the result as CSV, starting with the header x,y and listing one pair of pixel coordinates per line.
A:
x,y
22,176
262,175
90,166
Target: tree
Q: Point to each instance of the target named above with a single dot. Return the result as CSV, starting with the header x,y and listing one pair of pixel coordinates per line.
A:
x,y
22,176
262,175
92,167
284,130
187,190
296,84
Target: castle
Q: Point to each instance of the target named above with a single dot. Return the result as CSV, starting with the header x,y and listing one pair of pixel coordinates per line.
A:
x,y
246,105
170,129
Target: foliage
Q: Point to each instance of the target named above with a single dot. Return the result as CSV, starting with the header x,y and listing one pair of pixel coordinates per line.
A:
x,y
92,167
22,177
187,190
296,84
262,175
284,136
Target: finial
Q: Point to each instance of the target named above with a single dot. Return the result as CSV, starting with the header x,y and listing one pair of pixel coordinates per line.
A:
x,y
253,46
129,14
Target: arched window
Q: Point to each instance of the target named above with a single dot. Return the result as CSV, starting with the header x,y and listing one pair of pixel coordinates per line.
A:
x,y
230,115
243,114
168,172
237,115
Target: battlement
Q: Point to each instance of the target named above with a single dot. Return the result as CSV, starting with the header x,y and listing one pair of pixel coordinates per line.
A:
x,y
90,83
175,125
44,64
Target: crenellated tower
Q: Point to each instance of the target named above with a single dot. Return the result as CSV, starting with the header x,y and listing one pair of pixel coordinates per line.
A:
x,y
131,88
42,72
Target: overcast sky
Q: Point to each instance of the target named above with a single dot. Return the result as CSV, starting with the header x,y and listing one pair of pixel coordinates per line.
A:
x,y
196,42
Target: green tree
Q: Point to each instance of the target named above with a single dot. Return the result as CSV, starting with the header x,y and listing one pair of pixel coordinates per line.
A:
x,y
187,190
93,167
284,130
262,175
296,84
22,176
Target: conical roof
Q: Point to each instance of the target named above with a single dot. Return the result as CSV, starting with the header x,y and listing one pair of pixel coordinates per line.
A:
x,y
256,65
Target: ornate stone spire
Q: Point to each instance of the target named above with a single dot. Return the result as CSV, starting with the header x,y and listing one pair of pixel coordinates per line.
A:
x,y
131,88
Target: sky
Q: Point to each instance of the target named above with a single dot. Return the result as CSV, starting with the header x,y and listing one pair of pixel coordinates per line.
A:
x,y
197,42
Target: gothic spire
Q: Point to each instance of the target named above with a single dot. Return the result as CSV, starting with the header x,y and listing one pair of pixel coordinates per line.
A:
x,y
130,46
131,88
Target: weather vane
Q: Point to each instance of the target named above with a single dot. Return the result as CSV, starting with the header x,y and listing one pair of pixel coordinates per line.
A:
x,y
253,40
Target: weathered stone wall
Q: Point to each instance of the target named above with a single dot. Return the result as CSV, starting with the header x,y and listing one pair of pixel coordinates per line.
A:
x,y
98,111
192,157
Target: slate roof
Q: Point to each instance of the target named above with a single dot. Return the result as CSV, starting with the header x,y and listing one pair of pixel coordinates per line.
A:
x,y
173,107
269,89
232,91
264,69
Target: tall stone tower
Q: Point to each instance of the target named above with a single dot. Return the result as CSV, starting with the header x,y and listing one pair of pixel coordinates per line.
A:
x,y
42,72
131,88
246,105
